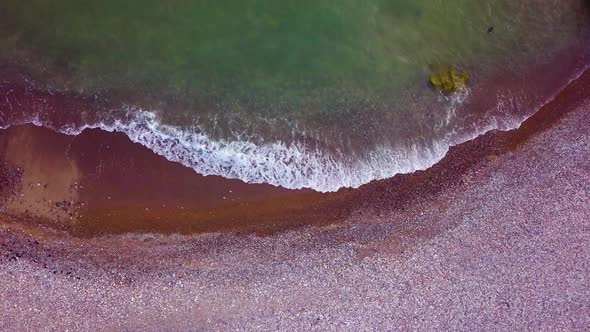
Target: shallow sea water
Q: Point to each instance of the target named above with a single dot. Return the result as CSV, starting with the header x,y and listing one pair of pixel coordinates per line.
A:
x,y
301,94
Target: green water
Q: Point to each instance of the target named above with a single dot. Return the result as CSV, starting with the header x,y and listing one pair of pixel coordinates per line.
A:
x,y
272,52
315,63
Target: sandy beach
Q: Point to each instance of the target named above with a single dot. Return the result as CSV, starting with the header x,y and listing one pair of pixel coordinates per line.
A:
x,y
494,237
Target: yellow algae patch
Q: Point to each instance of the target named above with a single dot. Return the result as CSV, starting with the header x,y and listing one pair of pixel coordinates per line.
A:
x,y
447,79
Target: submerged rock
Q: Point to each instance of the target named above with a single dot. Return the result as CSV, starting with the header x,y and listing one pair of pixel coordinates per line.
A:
x,y
447,79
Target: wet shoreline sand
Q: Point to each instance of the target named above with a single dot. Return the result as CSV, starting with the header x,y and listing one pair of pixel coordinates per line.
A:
x,y
105,184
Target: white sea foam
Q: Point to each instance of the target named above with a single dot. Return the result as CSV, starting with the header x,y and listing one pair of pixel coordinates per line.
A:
x,y
292,165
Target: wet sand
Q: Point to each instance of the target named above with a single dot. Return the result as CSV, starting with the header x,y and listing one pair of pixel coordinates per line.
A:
x,y
494,237
107,184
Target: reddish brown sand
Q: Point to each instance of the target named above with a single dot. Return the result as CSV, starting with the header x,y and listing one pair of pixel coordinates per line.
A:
x,y
110,185
494,237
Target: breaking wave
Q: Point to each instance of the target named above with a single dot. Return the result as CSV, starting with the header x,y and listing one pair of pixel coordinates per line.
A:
x,y
292,165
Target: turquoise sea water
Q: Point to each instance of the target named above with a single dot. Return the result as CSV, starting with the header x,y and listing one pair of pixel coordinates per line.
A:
x,y
318,94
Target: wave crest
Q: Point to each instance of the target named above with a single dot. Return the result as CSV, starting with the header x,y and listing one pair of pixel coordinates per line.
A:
x,y
292,165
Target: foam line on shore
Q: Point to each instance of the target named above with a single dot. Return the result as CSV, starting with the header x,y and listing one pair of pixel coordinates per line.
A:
x,y
290,165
